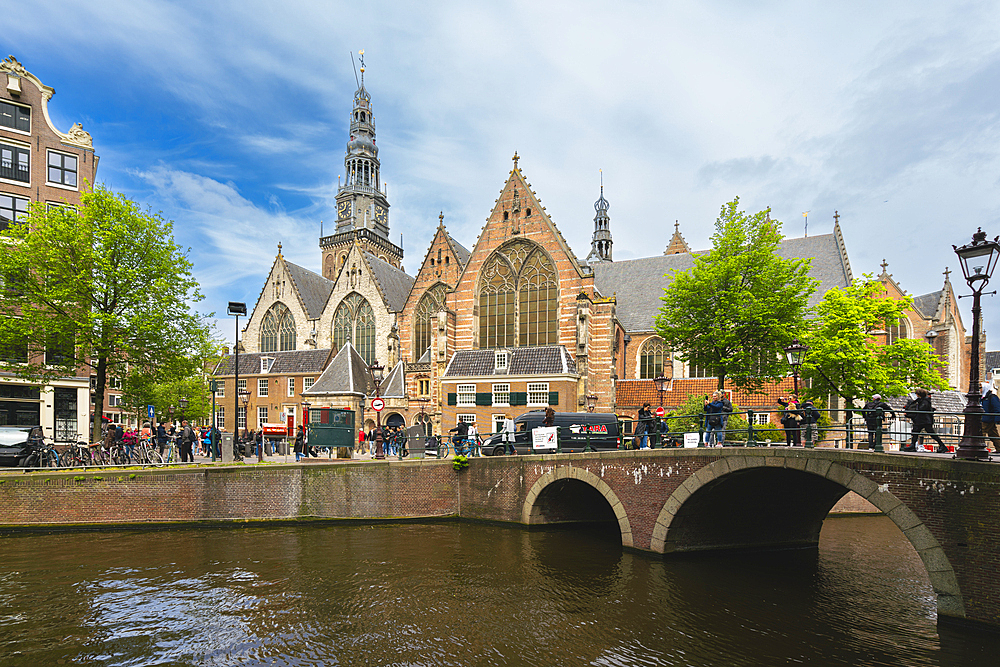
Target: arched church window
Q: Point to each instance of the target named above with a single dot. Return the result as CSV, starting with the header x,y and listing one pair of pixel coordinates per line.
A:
x,y
354,322
277,330
653,358
896,330
423,318
518,269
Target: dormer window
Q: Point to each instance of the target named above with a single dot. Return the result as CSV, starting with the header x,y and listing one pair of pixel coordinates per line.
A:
x,y
266,363
500,360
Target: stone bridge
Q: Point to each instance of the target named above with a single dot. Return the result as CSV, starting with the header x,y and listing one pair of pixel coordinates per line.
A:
x,y
689,500
663,501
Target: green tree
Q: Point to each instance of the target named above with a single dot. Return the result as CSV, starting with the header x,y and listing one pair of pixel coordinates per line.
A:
x,y
740,303
845,357
104,289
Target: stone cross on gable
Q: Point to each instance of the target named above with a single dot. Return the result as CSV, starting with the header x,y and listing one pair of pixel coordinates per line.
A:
x,y
947,274
884,265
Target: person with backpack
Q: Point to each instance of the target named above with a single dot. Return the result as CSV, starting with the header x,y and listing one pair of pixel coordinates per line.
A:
x,y
791,417
187,442
727,409
872,418
810,417
991,415
920,411
714,410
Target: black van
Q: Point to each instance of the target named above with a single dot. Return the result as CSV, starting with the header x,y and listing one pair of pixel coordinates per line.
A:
x,y
573,428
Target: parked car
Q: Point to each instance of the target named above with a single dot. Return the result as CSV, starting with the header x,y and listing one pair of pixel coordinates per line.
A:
x,y
16,442
573,428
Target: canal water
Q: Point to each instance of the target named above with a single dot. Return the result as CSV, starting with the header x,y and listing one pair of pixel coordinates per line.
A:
x,y
466,594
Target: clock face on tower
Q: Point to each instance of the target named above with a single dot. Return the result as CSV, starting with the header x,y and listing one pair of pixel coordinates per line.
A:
x,y
344,209
380,214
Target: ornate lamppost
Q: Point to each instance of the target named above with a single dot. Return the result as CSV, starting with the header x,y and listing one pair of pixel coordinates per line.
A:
x,y
978,260
243,395
376,371
237,308
795,353
591,402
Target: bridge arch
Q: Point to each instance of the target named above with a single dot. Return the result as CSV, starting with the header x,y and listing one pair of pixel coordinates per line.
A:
x,y
571,478
782,504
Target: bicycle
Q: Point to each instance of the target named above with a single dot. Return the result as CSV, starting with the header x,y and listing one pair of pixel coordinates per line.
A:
x,y
77,454
40,454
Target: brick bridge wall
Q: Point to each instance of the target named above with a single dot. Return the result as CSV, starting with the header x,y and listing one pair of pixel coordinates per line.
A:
x,y
663,501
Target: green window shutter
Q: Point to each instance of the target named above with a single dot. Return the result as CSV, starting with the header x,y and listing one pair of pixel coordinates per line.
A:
x,y
452,399
553,398
518,398
484,398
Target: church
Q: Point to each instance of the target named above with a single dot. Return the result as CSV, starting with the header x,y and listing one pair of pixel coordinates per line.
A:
x,y
518,322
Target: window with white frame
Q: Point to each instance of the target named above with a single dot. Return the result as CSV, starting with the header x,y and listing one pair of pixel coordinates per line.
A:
x,y
291,386
114,383
498,422
500,361
538,393
262,386
762,419
466,419
501,394
266,363
261,416
241,385
220,417
466,394
14,163
15,116
62,169
12,209
307,383
220,389
114,400
241,417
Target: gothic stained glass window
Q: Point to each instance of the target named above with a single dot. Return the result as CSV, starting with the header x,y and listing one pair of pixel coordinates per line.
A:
x,y
518,297
277,331
430,303
653,358
354,322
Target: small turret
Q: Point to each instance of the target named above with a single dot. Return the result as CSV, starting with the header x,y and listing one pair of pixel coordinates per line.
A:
x,y
600,245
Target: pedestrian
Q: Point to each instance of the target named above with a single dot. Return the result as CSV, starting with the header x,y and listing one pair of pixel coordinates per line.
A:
x,y
508,435
361,442
791,417
991,415
727,409
161,437
645,424
871,416
187,442
920,411
473,434
550,417
300,442
714,410
810,417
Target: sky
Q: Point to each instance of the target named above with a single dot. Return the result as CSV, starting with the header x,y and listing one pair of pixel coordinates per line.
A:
x,y
232,119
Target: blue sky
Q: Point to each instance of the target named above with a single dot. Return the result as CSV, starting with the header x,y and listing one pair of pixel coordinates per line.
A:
x,y
231,118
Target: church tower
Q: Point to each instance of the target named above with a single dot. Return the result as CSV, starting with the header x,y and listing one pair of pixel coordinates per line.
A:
x,y
362,206
600,245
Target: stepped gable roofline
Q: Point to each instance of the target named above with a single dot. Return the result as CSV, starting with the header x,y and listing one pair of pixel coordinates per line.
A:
x,y
313,289
530,361
632,393
288,362
76,136
394,383
393,284
347,373
460,252
638,283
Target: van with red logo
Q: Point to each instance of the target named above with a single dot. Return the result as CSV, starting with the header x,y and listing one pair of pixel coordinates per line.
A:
x,y
574,428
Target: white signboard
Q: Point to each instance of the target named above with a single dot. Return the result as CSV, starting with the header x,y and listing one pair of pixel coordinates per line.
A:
x,y
690,439
543,438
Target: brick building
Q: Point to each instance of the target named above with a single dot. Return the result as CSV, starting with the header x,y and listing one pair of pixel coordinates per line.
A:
x,y
40,163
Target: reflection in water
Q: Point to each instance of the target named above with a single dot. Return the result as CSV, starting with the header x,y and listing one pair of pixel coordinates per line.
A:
x,y
460,594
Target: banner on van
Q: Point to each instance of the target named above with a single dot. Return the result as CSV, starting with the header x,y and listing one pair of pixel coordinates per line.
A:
x,y
544,437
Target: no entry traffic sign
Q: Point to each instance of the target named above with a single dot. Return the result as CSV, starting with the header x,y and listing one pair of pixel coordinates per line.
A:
x,y
377,404
660,411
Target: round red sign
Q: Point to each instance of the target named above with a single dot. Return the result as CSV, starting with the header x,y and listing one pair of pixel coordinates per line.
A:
x,y
660,411
377,404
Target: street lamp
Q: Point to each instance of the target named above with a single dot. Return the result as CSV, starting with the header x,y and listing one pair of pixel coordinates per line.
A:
x,y
423,416
243,395
591,402
376,371
978,260
795,353
237,308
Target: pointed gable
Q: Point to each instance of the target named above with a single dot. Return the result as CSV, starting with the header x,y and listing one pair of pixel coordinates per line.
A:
x,y
347,373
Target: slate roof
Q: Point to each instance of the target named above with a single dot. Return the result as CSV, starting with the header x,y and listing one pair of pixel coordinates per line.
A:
x,y
347,373
991,360
462,254
545,360
394,283
285,363
631,394
313,289
394,383
639,283
927,304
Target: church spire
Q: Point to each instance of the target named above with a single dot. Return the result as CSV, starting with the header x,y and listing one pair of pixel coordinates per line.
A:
x,y
600,245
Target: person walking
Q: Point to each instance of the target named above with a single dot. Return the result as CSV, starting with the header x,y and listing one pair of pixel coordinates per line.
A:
x,y
714,420
361,442
791,417
300,442
187,442
508,435
871,416
991,415
920,411
645,423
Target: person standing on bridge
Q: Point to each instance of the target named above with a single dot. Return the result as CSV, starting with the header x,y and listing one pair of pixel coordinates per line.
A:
x,y
791,418
991,415
872,417
714,420
508,435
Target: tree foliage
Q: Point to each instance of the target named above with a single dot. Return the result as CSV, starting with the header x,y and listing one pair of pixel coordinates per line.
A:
x,y
103,288
846,357
740,303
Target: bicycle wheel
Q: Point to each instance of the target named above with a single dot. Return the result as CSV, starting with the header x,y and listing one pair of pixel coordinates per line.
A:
x,y
50,458
443,449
